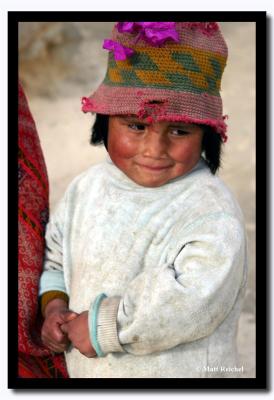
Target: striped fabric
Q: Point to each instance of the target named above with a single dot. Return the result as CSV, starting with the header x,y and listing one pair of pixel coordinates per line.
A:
x,y
175,68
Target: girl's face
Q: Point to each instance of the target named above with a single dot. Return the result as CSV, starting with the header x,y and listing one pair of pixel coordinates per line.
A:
x,y
152,154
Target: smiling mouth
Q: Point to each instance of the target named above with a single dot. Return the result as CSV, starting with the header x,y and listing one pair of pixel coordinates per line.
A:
x,y
154,168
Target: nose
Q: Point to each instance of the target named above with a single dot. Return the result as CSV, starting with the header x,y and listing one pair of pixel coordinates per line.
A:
x,y
155,144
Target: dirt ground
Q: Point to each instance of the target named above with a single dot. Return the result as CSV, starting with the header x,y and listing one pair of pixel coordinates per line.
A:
x,y
54,95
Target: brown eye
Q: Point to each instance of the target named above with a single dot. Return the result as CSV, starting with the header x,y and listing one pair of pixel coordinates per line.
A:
x,y
179,132
136,127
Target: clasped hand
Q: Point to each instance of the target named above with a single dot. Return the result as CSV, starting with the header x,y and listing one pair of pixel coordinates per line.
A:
x,y
62,327
77,332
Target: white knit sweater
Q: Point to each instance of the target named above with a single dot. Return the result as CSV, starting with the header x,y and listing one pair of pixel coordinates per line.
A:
x,y
172,261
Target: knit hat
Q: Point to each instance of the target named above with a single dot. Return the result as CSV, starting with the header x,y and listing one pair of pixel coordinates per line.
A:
x,y
163,71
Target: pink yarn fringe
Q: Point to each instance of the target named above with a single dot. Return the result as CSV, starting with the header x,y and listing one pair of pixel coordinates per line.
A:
x,y
207,28
219,126
86,104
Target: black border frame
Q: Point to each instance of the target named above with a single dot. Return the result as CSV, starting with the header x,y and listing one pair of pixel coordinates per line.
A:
x,y
261,380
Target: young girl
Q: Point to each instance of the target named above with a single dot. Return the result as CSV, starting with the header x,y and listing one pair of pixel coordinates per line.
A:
x,y
145,268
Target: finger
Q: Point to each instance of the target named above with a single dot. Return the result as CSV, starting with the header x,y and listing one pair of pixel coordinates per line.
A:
x,y
64,328
55,347
57,334
49,339
52,330
88,354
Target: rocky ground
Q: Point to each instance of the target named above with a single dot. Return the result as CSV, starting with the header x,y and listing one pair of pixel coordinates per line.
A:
x,y
61,62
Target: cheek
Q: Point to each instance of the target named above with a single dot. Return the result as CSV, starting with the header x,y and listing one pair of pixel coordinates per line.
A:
x,y
121,147
187,152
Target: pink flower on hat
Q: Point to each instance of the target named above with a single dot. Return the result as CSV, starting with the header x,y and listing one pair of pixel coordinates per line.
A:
x,y
120,52
154,33
128,27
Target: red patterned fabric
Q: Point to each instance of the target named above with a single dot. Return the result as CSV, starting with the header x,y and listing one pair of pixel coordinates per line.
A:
x,y
34,358
40,367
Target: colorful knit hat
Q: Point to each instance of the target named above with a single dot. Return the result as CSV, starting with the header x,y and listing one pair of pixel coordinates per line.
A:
x,y
164,71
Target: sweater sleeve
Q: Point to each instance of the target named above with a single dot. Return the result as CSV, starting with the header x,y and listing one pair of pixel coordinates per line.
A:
x,y
52,277
179,301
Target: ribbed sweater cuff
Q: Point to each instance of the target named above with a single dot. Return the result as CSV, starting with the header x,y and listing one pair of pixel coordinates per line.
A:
x,y
107,333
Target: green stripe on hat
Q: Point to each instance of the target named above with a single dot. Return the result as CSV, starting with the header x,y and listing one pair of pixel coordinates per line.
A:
x,y
186,60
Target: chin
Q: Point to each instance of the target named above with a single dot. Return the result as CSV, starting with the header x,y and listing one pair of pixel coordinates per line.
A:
x,y
150,184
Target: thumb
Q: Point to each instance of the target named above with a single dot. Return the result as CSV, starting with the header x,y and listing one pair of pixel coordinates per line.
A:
x,y
69,316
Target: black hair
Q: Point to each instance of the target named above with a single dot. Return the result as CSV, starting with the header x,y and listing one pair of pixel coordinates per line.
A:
x,y
99,131
211,143
212,148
